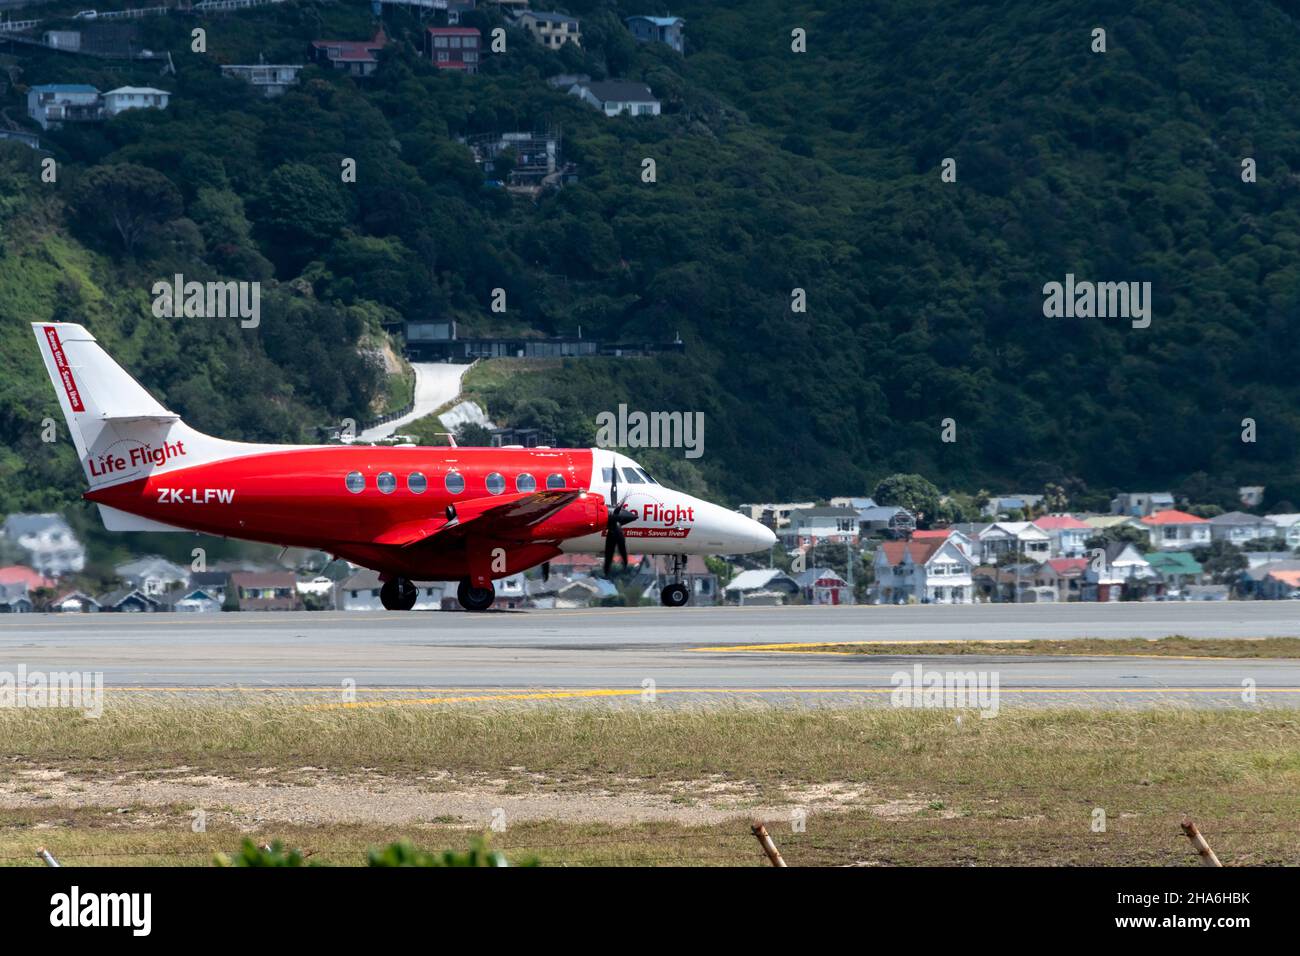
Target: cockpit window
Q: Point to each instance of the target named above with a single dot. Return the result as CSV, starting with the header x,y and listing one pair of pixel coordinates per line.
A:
x,y
607,474
631,475
646,475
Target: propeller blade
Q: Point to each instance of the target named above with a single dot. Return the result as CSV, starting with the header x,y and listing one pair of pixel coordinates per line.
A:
x,y
609,550
546,570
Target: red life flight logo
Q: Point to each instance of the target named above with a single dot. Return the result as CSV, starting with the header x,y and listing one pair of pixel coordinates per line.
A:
x,y
65,373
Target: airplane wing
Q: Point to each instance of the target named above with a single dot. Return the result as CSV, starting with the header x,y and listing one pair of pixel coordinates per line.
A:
x,y
496,517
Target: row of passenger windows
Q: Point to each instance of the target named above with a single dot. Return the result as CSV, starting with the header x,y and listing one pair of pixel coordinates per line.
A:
x,y
454,482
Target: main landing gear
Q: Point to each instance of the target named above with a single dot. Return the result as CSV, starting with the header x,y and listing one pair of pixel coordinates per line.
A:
x,y
676,594
475,599
398,594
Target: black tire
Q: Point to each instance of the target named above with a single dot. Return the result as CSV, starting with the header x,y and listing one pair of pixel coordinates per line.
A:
x,y
398,594
475,599
675,595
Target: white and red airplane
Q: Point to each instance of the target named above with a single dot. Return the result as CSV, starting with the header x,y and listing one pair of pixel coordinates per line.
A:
x,y
411,513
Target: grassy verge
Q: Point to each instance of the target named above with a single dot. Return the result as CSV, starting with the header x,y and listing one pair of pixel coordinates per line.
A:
x,y
1270,647
880,786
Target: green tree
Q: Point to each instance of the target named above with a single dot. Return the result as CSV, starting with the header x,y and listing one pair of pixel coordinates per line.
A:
x,y
126,201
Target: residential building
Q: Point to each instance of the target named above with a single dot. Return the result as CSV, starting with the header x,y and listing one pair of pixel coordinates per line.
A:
x,y
931,571
360,592
655,570
551,30
129,601
152,575
824,586
74,602
1002,504
1254,581
1021,538
134,98
455,48
566,593
1176,570
813,526
877,518
1239,528
1141,504
215,583
517,159
1120,572
358,58
762,586
269,79
955,535
54,104
775,516
856,504
667,30
52,547
1171,530
192,601
512,592
1067,533
1065,576
29,578
1251,496
1286,526
1280,584
15,599
264,591
456,8
613,97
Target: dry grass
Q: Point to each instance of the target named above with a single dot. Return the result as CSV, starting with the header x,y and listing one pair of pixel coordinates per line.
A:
x,y
1020,788
1269,647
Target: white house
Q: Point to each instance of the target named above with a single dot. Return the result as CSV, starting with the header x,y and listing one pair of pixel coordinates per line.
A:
x,y
1021,538
810,526
1104,579
1140,504
1286,526
762,586
1237,527
360,592
54,103
1173,530
1067,533
51,546
932,571
152,575
269,79
134,98
613,97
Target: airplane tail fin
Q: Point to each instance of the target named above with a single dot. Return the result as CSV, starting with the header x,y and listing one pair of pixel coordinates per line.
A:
x,y
121,432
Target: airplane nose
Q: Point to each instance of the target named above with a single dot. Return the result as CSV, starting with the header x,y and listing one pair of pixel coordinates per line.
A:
x,y
743,535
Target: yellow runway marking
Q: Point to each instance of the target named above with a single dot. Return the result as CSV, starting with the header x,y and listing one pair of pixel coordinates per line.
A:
x,y
809,648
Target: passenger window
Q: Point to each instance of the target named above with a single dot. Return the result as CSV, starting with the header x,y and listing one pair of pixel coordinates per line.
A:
x,y
386,482
356,482
525,483
416,483
495,483
454,482
631,475
555,482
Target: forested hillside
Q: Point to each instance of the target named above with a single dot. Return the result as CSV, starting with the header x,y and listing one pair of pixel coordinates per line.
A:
x,y
776,170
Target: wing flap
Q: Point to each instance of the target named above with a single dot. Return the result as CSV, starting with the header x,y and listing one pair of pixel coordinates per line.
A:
x,y
492,517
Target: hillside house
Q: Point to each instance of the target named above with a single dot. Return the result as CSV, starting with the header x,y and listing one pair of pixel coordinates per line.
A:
x,y
666,30
1002,504
134,98
51,546
15,599
613,97
359,58
191,601
269,79
1121,569
1067,534
1141,504
1020,538
932,571
1238,528
455,48
264,591
775,515
517,158
1285,526
53,104
129,601
1064,576
1173,530
551,30
813,526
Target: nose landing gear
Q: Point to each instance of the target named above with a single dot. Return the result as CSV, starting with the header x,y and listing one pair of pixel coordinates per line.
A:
x,y
475,599
398,594
676,594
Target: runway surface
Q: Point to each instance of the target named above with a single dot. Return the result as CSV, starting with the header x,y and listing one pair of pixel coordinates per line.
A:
x,y
610,654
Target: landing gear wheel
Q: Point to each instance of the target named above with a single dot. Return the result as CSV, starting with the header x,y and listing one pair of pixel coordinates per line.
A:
x,y
675,595
475,599
398,594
